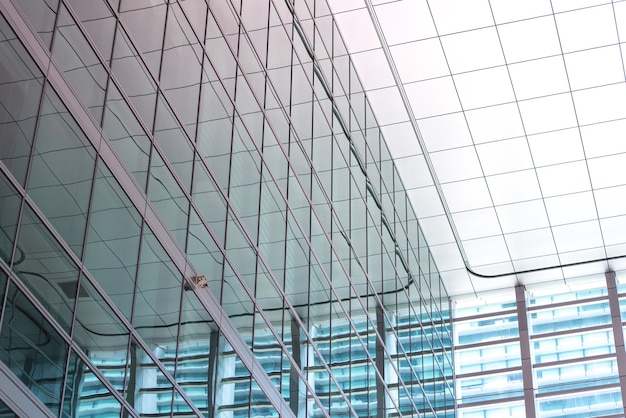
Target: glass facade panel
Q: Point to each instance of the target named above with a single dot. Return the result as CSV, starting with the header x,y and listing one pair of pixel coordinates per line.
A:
x,y
21,84
201,206
572,364
32,348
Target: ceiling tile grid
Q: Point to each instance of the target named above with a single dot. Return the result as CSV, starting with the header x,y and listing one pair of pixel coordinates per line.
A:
x,y
520,108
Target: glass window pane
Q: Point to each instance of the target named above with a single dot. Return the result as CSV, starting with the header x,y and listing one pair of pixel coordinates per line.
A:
x,y
100,334
97,19
9,211
46,269
62,171
80,64
126,135
85,395
20,92
112,248
33,349
157,302
41,14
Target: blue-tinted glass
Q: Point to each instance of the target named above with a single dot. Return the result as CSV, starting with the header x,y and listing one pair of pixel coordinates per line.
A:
x,y
46,269
9,210
85,394
112,248
33,349
62,171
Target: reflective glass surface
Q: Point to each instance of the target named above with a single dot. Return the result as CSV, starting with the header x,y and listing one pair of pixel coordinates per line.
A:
x,y
213,218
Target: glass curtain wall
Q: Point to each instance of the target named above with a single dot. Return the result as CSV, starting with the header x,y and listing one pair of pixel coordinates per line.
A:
x,y
147,143
573,358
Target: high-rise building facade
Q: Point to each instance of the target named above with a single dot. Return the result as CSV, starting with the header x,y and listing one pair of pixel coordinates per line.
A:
x,y
200,217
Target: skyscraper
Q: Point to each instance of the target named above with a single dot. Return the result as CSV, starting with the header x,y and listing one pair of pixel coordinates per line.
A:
x,y
200,217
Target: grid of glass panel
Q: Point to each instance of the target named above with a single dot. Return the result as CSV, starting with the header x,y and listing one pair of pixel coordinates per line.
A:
x,y
573,359
229,139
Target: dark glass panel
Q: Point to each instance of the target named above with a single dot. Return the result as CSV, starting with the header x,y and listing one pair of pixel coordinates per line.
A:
x,y
157,301
85,395
41,14
62,171
126,135
9,211
33,349
46,269
20,93
80,64
112,247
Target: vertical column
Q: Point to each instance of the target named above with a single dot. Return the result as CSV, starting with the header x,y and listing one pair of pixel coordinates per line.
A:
x,y
524,341
380,364
618,332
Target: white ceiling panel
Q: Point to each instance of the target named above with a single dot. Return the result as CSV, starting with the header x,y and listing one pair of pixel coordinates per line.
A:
x,y
467,195
579,236
523,216
366,38
564,178
601,104
495,123
472,93
387,105
556,147
570,208
534,243
477,223
611,201
426,201
460,15
603,139
506,11
529,39
566,5
594,67
474,50
586,28
456,164
411,69
376,73
514,187
413,171
607,171
406,21
445,132
537,78
521,111
613,229
548,113
483,251
442,97
401,140
504,156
